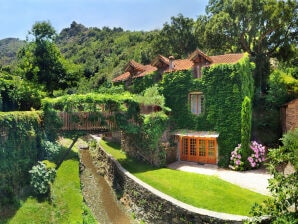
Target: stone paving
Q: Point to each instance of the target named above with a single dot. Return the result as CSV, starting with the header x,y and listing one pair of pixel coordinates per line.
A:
x,y
255,180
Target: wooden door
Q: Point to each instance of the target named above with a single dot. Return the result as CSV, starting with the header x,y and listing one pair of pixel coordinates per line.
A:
x,y
184,148
202,151
193,150
211,155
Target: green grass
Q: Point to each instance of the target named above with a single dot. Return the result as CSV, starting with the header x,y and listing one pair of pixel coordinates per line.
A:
x,y
66,205
33,211
203,191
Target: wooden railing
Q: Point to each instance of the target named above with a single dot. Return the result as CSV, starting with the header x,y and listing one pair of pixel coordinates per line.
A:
x,y
86,121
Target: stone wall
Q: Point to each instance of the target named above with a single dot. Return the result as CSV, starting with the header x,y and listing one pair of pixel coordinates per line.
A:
x,y
289,116
151,205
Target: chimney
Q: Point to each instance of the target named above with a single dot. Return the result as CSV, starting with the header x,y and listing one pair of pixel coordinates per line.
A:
x,y
171,65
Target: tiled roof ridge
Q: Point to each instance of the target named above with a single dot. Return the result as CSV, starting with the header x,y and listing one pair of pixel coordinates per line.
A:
x,y
198,51
136,65
164,59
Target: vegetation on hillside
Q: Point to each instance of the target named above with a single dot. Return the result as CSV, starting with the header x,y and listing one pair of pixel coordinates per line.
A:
x,y
84,60
8,50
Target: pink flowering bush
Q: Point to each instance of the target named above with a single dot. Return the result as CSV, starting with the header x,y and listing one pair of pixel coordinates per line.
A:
x,y
235,158
258,155
254,160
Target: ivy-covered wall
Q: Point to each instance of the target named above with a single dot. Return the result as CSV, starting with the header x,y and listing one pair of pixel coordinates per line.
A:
x,y
224,87
20,134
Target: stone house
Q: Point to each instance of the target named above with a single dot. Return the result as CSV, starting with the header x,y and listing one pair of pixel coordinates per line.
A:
x,y
192,145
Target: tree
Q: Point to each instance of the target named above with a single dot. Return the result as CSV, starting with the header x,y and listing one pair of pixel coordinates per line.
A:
x,y
177,38
259,27
41,61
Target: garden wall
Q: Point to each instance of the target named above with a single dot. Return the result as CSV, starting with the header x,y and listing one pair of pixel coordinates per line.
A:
x,y
151,205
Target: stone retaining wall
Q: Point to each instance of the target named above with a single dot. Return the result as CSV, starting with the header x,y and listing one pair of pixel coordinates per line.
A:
x,y
151,205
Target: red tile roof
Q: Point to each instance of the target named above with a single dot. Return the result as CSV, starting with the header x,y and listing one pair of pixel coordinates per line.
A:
x,y
140,70
201,53
181,64
135,65
148,69
122,77
226,58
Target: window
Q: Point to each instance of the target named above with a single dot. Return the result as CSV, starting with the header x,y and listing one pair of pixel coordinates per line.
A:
x,y
202,147
196,102
185,146
193,146
211,148
198,71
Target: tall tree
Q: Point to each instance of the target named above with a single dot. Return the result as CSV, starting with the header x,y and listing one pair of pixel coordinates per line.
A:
x,y
177,38
42,62
259,27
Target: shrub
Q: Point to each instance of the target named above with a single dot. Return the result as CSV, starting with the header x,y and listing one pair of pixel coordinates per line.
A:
x,y
236,162
282,207
50,150
254,160
42,175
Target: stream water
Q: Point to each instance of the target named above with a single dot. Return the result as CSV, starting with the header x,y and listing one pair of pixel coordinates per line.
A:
x,y
99,196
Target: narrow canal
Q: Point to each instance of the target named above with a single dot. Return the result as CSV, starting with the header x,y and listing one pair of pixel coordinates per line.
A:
x,y
99,196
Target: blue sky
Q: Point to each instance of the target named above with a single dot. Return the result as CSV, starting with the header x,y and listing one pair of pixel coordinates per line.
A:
x,y
18,16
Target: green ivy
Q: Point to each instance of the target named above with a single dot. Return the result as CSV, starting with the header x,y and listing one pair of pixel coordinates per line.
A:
x,y
224,87
141,84
175,87
20,135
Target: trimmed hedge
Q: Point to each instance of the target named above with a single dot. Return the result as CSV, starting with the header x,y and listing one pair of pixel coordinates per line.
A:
x,y
20,134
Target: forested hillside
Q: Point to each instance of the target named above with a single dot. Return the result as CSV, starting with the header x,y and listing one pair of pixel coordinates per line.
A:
x,y
8,50
83,59
103,53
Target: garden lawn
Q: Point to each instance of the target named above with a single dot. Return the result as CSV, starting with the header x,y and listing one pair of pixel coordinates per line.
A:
x,y
67,201
202,191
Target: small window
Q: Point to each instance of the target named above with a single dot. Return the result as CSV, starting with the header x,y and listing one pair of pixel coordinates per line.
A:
x,y
198,71
196,103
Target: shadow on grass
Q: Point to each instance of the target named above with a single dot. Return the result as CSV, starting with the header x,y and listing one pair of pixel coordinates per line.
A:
x,y
7,212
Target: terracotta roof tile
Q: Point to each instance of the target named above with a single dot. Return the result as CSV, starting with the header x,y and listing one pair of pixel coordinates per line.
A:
x,y
122,77
181,64
135,65
160,59
140,70
226,58
201,53
148,69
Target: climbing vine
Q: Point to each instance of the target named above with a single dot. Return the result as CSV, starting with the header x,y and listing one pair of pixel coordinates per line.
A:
x,y
224,87
20,135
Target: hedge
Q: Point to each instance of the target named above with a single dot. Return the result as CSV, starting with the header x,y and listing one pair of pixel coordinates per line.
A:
x,y
20,134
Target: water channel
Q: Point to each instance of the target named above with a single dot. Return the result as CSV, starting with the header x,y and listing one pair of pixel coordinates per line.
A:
x,y
99,195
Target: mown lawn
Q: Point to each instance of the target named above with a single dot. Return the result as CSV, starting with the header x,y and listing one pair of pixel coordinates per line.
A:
x,y
66,204
202,191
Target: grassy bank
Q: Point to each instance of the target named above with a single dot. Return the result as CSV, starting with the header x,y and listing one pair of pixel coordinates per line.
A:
x,y
202,191
66,203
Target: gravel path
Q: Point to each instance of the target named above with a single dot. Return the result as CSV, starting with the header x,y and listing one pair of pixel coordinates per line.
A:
x,y
255,180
